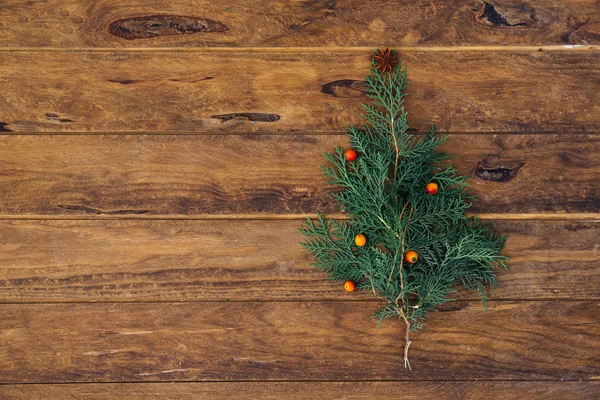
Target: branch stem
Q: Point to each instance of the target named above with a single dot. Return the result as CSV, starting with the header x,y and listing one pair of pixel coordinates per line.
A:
x,y
407,339
406,347
389,227
395,145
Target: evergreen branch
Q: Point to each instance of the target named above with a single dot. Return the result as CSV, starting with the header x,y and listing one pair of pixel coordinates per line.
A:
x,y
383,192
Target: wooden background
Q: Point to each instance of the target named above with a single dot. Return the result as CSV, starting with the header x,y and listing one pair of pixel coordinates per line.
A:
x,y
156,159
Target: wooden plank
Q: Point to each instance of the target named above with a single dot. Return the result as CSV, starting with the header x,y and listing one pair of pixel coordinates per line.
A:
x,y
104,23
292,92
89,261
121,176
294,341
307,390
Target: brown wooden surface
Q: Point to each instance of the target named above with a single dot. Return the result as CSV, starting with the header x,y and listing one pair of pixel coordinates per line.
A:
x,y
58,261
270,91
83,23
308,390
294,341
145,176
138,140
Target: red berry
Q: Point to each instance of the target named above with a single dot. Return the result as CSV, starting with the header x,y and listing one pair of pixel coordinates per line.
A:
x,y
351,155
411,257
431,188
349,286
360,240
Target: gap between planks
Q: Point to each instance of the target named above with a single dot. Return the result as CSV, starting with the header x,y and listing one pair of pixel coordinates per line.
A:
x,y
278,301
338,132
274,217
493,48
170,382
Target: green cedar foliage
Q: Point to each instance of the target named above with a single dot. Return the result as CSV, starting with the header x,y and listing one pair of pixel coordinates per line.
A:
x,y
383,193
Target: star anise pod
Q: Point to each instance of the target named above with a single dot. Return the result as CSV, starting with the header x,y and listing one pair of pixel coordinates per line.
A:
x,y
385,60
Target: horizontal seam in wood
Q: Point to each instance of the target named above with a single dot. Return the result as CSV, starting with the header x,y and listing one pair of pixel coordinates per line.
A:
x,y
324,301
491,48
407,380
283,134
283,217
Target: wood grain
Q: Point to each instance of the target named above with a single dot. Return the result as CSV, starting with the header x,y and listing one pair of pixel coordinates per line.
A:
x,y
307,390
72,23
300,341
188,175
89,261
292,92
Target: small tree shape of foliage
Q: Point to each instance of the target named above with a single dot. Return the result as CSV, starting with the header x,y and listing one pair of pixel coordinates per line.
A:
x,y
383,193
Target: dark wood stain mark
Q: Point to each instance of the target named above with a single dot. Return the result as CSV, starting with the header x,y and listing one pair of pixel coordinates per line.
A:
x,y
325,7
566,38
495,173
494,17
162,25
123,81
254,117
57,118
344,88
98,212
453,306
297,27
3,127
191,80
304,139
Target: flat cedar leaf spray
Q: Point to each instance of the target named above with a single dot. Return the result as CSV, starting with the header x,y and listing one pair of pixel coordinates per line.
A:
x,y
407,239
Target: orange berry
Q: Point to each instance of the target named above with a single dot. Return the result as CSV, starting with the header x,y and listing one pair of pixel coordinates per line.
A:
x,y
411,257
360,240
349,286
351,155
431,188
